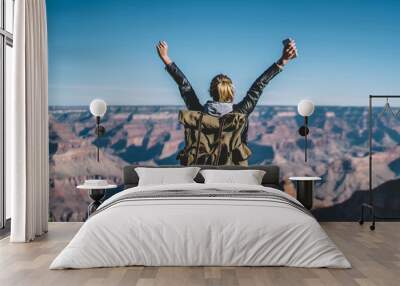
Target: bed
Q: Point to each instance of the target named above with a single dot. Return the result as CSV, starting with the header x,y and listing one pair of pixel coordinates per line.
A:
x,y
201,224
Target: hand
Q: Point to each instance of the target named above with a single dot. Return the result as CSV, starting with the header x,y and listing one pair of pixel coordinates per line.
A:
x,y
289,52
162,50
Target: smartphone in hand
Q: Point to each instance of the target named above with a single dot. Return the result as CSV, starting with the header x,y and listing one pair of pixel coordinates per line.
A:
x,y
287,42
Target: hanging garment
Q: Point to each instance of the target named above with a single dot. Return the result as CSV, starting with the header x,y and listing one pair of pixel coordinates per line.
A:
x,y
213,141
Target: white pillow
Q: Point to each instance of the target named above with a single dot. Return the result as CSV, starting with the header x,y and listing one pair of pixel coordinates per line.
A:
x,y
248,177
166,176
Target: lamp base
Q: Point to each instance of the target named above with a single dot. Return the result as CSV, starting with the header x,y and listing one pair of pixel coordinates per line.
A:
x,y
100,130
303,130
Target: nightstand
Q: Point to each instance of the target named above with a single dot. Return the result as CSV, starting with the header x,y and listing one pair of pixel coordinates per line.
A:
x,y
97,190
305,190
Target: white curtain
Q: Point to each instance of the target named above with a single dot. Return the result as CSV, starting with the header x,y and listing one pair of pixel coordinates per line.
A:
x,y
28,122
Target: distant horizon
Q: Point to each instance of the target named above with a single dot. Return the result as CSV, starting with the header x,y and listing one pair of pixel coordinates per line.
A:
x,y
182,105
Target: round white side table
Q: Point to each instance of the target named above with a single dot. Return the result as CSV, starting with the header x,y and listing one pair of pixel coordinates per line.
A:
x,y
96,193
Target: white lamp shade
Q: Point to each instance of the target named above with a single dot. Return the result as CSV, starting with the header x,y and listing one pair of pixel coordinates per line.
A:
x,y
305,107
98,107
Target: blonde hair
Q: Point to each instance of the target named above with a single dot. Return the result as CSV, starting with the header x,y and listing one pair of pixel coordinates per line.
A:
x,y
222,89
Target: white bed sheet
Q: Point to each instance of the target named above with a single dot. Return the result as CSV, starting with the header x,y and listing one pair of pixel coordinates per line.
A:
x,y
200,231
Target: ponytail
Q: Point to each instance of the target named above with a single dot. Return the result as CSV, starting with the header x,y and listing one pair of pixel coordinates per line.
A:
x,y
222,89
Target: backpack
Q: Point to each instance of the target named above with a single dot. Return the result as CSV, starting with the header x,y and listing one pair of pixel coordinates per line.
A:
x,y
210,140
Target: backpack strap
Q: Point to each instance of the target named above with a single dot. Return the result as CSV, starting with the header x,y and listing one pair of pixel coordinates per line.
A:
x,y
221,128
198,137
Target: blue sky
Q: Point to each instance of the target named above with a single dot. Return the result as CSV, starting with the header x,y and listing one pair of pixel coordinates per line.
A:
x,y
105,49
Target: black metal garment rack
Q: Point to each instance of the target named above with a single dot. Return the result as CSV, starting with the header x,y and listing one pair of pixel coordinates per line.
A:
x,y
370,204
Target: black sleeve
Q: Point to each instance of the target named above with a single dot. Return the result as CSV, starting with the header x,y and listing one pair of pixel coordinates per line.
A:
x,y
249,102
185,88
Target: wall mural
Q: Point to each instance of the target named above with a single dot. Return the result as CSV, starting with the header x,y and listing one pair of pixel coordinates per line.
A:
x,y
142,124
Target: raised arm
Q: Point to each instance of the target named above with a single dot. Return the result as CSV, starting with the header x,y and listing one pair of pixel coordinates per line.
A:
x,y
185,88
249,102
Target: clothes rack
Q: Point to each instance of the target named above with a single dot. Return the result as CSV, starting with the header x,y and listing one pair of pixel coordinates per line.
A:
x,y
370,205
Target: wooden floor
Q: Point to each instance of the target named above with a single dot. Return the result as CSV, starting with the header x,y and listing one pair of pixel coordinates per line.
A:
x,y
375,257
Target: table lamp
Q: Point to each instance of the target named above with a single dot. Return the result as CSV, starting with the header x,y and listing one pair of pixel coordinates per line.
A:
x,y
305,108
98,108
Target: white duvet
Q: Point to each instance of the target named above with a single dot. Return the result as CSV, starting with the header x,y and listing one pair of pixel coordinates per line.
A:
x,y
200,231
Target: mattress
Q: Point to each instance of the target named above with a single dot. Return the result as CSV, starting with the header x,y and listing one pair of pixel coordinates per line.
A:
x,y
201,225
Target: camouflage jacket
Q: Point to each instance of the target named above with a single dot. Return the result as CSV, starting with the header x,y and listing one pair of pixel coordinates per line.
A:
x,y
211,140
